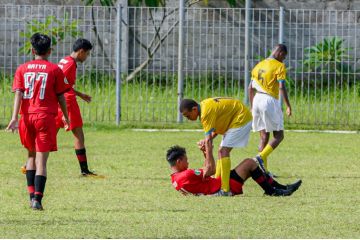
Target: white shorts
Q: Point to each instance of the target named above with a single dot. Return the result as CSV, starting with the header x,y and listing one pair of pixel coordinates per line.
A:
x,y
267,113
236,137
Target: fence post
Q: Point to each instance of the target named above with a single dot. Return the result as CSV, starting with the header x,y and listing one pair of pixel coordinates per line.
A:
x,y
118,65
180,92
247,45
281,39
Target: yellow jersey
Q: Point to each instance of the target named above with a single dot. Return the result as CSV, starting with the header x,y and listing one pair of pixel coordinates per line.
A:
x,y
220,114
267,74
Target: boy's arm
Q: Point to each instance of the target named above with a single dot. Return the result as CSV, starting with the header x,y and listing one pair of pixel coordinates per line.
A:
x,y
13,124
209,164
251,92
83,96
283,93
62,103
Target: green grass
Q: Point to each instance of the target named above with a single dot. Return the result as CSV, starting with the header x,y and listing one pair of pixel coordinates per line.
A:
x,y
136,199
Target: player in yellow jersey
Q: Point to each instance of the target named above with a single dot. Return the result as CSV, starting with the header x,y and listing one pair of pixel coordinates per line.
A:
x,y
268,79
225,116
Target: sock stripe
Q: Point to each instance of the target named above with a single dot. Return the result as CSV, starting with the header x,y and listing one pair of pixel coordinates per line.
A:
x,y
31,189
260,179
39,193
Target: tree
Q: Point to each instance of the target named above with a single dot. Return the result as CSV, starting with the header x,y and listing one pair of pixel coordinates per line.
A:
x,y
56,29
159,37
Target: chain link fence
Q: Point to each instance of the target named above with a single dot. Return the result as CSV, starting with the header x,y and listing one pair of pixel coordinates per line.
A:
x,y
322,62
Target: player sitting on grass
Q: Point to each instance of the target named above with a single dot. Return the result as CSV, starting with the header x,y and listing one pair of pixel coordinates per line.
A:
x,y
193,181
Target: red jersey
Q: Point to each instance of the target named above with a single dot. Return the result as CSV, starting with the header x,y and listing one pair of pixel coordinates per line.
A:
x,y
191,181
41,82
68,66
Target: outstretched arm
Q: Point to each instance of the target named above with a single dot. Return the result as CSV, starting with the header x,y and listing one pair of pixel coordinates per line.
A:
x,y
83,96
209,164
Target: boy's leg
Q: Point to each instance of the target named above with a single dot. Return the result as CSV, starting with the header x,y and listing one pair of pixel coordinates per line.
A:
x,y
264,140
40,178
30,171
80,150
225,168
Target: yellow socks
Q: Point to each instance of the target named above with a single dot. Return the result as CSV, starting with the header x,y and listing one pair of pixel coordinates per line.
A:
x,y
218,168
265,153
225,173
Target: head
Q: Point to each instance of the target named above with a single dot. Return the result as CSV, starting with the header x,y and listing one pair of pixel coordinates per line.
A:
x,y
41,45
189,109
279,52
176,157
81,49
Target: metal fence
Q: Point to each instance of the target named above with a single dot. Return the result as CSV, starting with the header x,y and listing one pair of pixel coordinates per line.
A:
x,y
322,81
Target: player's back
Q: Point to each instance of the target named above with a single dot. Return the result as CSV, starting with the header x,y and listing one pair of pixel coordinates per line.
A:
x,y
40,81
267,73
223,113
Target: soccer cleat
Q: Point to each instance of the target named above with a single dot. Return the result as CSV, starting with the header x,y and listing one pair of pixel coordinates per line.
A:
x,y
31,202
222,193
294,186
282,192
261,163
88,173
23,169
36,205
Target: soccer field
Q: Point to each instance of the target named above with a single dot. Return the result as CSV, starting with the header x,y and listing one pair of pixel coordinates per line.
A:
x,y
136,199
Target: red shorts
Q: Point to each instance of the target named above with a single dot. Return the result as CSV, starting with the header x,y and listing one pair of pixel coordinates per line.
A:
x,y
74,116
235,187
38,132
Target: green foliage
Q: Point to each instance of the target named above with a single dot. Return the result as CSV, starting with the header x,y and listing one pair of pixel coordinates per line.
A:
x,y
56,29
328,56
108,3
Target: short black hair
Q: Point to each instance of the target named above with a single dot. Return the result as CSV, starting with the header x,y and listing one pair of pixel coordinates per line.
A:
x,y
41,43
174,153
82,43
187,104
282,47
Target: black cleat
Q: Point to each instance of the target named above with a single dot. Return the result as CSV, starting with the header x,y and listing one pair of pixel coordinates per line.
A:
x,y
294,186
36,205
282,192
86,173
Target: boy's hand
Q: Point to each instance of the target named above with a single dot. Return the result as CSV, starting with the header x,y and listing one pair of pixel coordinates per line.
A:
x,y
13,126
85,97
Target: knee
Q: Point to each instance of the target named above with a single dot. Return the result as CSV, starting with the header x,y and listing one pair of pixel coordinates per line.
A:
x,y
224,152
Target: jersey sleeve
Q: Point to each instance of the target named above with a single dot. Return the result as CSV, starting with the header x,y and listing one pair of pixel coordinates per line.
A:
x,y
61,84
18,83
69,71
208,121
281,75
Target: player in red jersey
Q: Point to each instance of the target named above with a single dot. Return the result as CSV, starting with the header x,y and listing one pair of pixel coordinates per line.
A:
x,y
193,181
39,86
81,50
